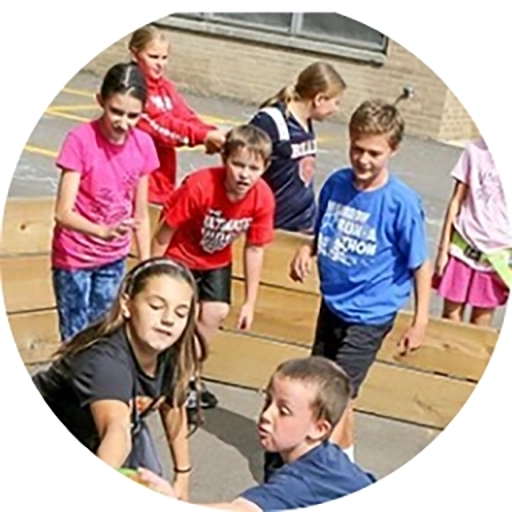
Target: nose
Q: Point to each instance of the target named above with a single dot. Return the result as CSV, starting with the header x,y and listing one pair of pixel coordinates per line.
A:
x,y
168,319
124,123
364,159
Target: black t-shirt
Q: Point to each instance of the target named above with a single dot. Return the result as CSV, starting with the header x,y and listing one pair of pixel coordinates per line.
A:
x,y
107,370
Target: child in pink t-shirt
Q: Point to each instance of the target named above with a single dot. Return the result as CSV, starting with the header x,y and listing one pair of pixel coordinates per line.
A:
x,y
101,201
472,266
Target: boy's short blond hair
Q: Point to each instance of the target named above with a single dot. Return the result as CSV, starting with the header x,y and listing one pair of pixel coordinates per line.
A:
x,y
377,117
331,383
254,139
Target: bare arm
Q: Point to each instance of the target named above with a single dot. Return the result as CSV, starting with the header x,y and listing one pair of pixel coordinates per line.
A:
x,y
176,430
141,215
422,285
253,264
112,419
161,239
413,337
158,484
458,197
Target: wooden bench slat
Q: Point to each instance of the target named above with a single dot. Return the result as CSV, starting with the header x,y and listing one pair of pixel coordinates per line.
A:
x,y
389,391
448,348
248,361
27,226
453,349
36,335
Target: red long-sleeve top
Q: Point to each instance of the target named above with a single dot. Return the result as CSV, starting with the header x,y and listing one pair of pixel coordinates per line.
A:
x,y
171,123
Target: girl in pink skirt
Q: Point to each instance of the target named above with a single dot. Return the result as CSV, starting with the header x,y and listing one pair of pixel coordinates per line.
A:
x,y
473,262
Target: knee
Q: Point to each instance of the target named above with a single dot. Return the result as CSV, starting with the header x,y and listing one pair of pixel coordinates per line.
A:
x,y
213,314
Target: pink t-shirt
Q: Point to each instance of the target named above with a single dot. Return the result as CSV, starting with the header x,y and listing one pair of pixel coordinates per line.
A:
x,y
110,175
483,218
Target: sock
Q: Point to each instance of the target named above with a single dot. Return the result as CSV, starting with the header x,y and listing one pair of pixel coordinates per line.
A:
x,y
349,452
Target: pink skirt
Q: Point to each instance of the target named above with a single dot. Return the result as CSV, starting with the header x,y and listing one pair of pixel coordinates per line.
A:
x,y
464,285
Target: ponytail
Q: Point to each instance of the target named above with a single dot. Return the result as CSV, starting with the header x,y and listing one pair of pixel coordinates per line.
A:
x,y
285,95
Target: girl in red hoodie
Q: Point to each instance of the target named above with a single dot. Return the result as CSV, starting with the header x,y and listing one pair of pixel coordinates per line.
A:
x,y
167,117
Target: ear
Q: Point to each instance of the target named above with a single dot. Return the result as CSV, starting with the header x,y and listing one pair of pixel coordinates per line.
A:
x,y
99,99
320,430
134,54
318,99
125,309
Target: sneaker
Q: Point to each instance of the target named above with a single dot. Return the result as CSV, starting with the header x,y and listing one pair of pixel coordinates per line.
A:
x,y
208,399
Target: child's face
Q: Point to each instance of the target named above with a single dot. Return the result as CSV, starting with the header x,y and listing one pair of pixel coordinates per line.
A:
x,y
325,106
244,168
152,60
121,113
369,156
286,424
158,315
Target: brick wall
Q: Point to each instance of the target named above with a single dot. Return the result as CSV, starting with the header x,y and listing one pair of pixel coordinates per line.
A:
x,y
245,71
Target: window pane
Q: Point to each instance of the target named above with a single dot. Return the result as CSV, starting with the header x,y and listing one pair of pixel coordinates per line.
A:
x,y
270,19
335,26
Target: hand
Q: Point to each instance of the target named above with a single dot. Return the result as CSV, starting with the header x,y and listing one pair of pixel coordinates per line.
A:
x,y
246,317
155,482
300,266
412,339
441,262
214,142
119,230
181,487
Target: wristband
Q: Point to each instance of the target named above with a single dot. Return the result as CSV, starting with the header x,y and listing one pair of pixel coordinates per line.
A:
x,y
186,470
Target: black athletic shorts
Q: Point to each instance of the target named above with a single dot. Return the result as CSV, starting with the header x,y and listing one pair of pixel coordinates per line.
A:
x,y
214,285
353,347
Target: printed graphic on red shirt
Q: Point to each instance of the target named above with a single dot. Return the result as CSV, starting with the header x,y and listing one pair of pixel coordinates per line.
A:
x,y
218,232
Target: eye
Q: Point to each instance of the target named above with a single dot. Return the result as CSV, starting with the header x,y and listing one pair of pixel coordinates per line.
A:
x,y
133,116
284,411
155,306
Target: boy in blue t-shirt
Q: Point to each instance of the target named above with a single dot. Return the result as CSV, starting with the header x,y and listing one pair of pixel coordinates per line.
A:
x,y
305,398
371,250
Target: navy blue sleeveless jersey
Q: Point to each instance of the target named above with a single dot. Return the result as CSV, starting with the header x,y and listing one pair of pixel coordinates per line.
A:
x,y
290,174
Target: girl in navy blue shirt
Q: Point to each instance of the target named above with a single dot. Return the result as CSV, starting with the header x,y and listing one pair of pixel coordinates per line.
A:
x,y
288,119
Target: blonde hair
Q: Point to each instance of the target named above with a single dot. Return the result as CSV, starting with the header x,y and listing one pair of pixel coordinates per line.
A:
x,y
317,78
378,117
145,35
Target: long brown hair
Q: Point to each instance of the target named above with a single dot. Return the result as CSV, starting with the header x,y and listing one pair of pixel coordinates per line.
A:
x,y
183,359
317,78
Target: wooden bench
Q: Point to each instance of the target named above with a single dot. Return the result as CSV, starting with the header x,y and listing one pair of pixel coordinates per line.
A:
x,y
427,387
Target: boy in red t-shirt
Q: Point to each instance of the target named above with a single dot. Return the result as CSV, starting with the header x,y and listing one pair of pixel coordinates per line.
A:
x,y
207,213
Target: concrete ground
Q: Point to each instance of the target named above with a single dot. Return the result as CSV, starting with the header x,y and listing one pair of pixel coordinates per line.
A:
x,y
225,451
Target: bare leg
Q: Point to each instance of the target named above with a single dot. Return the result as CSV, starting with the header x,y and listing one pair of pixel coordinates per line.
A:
x,y
211,316
481,316
343,433
453,310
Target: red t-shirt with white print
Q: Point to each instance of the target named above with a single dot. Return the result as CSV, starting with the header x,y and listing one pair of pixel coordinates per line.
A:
x,y
207,222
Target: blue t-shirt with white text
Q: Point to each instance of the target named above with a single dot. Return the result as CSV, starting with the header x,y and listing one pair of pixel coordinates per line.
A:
x,y
369,243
